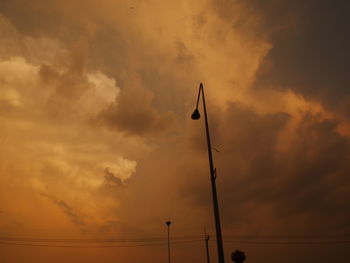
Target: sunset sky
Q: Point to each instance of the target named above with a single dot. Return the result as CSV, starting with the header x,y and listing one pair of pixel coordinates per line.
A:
x,y
97,143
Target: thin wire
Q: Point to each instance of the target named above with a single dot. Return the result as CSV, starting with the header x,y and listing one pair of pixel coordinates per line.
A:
x,y
94,240
289,236
180,238
290,242
103,246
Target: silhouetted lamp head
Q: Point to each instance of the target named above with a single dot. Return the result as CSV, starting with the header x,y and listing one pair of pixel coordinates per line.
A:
x,y
195,115
168,223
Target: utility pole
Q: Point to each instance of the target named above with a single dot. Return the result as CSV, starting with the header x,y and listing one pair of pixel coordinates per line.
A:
x,y
168,224
206,238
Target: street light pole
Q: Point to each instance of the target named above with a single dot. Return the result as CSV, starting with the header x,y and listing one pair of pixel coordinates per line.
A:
x,y
206,238
168,224
196,116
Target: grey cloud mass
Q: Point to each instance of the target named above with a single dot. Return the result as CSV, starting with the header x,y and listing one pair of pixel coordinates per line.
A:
x,y
312,41
134,114
66,208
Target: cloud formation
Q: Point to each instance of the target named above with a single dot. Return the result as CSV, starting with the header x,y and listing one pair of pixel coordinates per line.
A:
x,y
309,39
95,99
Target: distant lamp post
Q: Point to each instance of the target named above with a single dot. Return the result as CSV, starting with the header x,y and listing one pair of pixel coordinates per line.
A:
x,y
238,256
195,116
168,224
206,238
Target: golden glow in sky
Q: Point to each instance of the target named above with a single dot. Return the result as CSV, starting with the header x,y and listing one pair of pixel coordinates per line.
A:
x,y
96,142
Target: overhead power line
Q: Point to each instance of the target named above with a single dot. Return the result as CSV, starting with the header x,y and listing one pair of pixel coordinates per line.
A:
x,y
290,239
161,241
310,242
96,240
288,236
97,246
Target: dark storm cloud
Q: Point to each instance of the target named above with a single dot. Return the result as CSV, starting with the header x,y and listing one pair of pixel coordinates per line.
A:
x,y
309,180
183,55
53,19
314,170
247,143
310,51
29,20
72,83
134,114
66,208
111,179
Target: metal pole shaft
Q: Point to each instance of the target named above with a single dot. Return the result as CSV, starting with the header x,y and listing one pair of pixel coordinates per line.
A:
x,y
206,239
213,188
207,248
168,246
